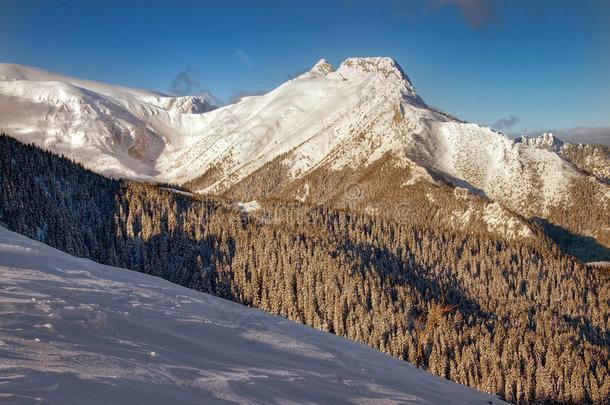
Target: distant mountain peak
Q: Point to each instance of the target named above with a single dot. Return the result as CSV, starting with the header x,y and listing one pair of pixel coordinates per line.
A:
x,y
546,141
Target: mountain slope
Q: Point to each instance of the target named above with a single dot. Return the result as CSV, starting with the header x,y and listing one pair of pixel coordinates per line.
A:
x,y
359,136
592,159
72,327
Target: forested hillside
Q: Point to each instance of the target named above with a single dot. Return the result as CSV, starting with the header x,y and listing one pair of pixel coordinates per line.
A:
x,y
531,324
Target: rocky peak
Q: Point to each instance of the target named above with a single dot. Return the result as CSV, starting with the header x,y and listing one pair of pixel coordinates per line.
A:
x,y
322,67
385,66
381,69
545,141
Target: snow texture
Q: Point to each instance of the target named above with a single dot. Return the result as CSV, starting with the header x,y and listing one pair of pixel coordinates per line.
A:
x,y
73,331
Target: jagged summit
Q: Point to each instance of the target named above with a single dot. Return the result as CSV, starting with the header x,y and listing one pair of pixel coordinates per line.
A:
x,y
591,159
546,141
384,65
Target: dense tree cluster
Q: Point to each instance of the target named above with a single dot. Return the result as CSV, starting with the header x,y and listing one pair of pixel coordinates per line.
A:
x,y
531,324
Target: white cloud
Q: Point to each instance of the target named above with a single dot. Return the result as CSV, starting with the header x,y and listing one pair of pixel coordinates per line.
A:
x,y
243,57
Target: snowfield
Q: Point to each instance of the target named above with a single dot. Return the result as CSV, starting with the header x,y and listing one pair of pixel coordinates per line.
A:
x,y
73,331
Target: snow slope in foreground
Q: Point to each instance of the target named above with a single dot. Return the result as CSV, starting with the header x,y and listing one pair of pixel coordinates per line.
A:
x,y
74,331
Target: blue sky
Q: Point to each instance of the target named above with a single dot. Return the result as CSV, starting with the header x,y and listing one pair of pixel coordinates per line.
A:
x,y
518,66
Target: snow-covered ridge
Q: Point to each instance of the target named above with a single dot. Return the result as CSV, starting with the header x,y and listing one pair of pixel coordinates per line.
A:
x,y
113,130
590,158
72,327
18,73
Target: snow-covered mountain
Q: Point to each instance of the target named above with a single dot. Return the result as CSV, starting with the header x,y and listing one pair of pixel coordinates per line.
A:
x,y
358,135
592,159
113,130
73,331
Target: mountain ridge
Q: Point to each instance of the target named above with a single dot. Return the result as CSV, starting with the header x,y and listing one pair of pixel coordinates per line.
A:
x,y
325,127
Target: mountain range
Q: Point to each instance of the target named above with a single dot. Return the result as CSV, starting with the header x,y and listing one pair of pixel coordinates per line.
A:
x,y
358,137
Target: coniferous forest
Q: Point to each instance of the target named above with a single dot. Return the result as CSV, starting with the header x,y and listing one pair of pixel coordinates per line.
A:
x,y
530,323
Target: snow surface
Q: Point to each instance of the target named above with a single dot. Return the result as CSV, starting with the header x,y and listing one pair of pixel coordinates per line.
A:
x,y
73,331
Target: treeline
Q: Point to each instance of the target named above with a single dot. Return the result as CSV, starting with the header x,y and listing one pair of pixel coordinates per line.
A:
x,y
531,324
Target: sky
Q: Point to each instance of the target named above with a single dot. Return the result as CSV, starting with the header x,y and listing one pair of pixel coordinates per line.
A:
x,y
520,67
